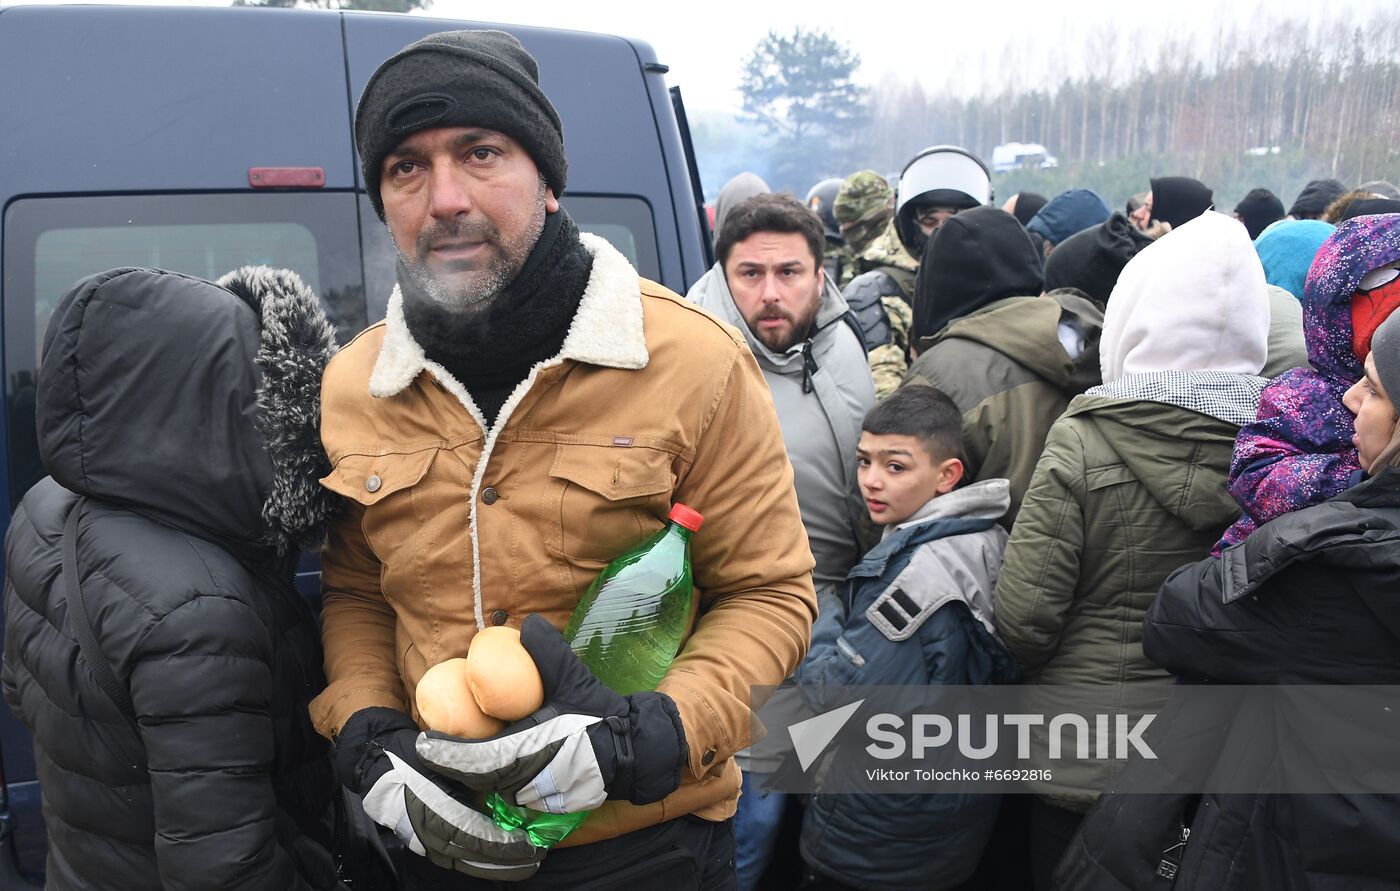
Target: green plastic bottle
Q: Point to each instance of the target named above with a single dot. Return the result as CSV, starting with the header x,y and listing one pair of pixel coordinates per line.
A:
x,y
627,629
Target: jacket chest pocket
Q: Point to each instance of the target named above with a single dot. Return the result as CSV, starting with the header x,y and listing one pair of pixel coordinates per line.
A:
x,y
608,498
391,488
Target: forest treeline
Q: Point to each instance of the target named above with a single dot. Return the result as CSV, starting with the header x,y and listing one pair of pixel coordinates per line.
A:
x,y
1275,105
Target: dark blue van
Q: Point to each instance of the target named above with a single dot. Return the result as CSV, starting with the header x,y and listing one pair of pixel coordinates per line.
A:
x,y
201,140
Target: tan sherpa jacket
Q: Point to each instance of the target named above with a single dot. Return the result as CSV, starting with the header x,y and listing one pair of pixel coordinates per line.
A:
x,y
452,527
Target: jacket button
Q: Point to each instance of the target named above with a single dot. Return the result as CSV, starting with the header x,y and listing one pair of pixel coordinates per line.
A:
x,y
373,483
489,495
499,617
708,758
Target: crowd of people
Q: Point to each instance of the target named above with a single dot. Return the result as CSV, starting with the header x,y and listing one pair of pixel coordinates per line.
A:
x,y
934,441
1130,395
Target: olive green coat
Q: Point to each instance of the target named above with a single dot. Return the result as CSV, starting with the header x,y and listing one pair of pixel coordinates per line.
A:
x,y
1007,371
1126,492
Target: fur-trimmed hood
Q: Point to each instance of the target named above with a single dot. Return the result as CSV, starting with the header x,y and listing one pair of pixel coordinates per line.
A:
x,y
194,404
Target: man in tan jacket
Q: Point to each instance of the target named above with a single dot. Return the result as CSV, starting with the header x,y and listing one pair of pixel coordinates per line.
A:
x,y
529,409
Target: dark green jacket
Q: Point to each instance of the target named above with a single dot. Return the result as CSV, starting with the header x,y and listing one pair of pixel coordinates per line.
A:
x,y
1127,491
1007,371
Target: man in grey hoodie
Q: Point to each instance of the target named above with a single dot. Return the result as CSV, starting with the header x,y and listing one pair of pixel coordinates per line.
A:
x,y
769,283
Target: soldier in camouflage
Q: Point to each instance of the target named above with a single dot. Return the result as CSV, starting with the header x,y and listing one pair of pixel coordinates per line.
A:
x,y
881,292
863,206
837,258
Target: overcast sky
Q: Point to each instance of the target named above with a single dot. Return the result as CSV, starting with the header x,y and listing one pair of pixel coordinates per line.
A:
x,y
947,44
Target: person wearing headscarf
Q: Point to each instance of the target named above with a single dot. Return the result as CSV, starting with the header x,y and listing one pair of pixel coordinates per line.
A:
x,y
1258,210
1312,202
1309,601
1298,451
1287,249
1009,359
1175,200
1130,486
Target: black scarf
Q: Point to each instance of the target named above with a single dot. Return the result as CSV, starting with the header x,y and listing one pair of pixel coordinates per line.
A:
x,y
490,352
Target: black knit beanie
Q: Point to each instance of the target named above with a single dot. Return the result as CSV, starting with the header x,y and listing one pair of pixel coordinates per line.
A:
x,y
977,257
458,79
1385,352
1092,260
1258,209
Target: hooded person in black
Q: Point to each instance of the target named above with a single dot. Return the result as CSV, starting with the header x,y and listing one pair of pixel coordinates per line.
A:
x,y
1258,210
1366,207
1008,358
1179,199
1024,206
179,422
1091,260
984,257
1312,202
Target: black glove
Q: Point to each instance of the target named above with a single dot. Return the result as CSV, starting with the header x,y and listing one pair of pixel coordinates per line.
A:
x,y
584,745
375,758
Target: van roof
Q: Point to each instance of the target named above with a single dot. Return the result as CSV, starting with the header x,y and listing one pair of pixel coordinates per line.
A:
x,y
188,99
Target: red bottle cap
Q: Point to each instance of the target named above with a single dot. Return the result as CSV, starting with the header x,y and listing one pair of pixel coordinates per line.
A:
x,y
686,517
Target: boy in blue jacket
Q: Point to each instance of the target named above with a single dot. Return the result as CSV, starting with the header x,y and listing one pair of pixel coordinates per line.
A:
x,y
917,609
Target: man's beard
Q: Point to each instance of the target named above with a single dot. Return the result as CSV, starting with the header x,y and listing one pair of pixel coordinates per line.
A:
x,y
476,292
780,341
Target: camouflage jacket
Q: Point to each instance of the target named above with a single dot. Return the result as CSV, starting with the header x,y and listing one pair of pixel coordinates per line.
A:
x,y
881,297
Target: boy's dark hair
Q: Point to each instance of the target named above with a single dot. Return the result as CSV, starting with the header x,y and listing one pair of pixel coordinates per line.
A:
x,y
923,412
770,212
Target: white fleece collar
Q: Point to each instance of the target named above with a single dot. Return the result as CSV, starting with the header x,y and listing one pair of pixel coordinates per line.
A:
x,y
606,330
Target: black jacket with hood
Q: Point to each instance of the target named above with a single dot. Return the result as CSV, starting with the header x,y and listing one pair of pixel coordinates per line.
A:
x,y
182,417
998,350
1314,601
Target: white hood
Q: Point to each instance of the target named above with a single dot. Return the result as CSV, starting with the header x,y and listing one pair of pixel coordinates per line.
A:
x,y
1194,300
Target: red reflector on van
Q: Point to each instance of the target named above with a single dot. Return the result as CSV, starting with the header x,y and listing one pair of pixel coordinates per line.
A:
x,y
286,177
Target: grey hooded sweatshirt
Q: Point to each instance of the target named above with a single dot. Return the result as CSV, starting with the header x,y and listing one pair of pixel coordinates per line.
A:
x,y
820,427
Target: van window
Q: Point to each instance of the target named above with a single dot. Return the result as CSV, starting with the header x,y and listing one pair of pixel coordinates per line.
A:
x,y
626,222
207,250
52,243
